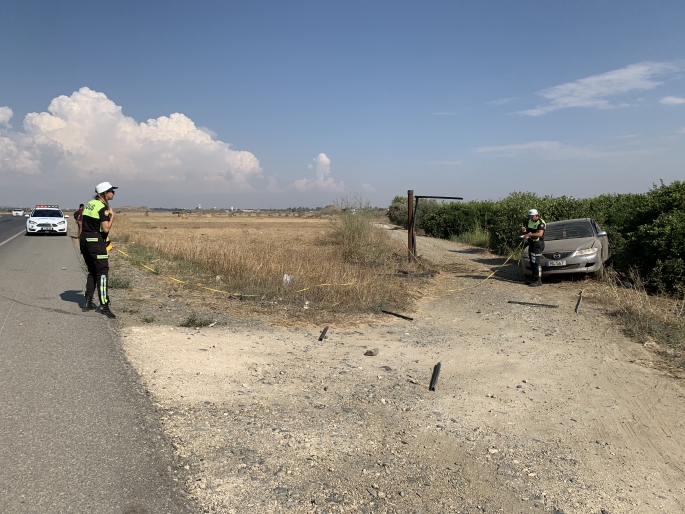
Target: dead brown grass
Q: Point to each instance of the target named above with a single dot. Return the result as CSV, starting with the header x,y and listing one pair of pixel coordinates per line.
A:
x,y
656,321
251,255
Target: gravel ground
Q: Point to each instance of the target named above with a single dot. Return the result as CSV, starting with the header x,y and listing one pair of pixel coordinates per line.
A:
x,y
536,409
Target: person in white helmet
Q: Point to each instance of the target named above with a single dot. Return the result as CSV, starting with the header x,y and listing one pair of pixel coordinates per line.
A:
x,y
97,222
534,235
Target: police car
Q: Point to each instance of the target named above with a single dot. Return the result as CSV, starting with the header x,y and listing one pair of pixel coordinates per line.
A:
x,y
46,219
17,212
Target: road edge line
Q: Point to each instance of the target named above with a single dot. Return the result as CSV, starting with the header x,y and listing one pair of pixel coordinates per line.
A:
x,y
8,240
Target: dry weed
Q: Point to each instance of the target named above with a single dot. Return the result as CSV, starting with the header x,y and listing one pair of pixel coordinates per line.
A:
x,y
251,257
649,318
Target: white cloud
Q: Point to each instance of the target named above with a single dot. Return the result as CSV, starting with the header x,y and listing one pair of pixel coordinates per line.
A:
x,y
672,100
552,150
595,91
447,163
323,180
5,116
86,135
682,130
444,113
501,101
368,187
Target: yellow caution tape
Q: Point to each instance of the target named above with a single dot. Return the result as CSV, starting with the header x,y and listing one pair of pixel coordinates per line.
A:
x,y
489,276
183,282
320,285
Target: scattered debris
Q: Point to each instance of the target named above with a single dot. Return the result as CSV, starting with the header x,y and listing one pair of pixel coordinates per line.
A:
x,y
398,315
323,334
287,279
535,304
580,299
434,378
371,353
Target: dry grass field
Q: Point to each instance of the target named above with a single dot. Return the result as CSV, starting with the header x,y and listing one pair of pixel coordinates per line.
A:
x,y
336,264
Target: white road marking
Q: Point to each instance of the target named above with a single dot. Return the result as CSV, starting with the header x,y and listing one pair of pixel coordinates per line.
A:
x,y
15,235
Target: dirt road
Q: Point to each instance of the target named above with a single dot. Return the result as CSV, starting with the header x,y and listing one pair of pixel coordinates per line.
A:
x,y
536,409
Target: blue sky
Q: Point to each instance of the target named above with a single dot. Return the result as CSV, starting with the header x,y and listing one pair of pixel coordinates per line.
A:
x,y
276,104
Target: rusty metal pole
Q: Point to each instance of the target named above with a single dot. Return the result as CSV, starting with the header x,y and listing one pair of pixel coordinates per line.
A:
x,y
410,216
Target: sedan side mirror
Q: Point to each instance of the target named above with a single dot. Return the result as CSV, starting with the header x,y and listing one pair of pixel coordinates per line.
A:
x,y
601,234
66,215
26,216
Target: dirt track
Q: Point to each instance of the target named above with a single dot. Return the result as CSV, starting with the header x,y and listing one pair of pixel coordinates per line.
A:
x,y
536,409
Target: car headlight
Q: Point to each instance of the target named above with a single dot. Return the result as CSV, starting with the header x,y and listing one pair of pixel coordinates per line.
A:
x,y
61,222
33,222
587,251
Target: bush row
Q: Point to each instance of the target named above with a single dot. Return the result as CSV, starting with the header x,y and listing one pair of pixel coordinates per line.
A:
x,y
646,231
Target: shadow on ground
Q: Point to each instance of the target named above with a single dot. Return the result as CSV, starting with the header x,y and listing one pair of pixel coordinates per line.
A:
x,y
72,296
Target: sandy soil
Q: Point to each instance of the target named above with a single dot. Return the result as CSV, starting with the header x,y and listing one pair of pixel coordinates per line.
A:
x,y
536,409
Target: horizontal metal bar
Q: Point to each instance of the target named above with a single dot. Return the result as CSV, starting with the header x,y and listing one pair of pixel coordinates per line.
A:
x,y
441,197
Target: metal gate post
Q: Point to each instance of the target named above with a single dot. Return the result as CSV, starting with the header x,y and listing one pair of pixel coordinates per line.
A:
x,y
410,219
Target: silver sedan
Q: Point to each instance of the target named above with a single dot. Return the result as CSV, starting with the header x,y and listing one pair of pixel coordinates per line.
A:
x,y
572,246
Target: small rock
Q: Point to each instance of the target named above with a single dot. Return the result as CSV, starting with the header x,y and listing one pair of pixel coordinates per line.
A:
x,y
371,353
372,491
493,451
600,442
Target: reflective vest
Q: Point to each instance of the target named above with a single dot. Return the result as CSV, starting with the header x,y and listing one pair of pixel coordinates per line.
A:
x,y
533,227
92,210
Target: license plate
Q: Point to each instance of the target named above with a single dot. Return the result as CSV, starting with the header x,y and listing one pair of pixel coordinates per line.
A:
x,y
556,263
47,229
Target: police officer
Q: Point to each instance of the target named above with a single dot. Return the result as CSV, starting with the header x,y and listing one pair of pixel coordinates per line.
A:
x,y
97,221
534,234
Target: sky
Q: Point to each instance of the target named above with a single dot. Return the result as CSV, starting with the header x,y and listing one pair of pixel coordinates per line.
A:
x,y
270,104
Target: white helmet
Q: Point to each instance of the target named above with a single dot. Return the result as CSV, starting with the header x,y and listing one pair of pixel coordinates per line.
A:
x,y
533,212
104,186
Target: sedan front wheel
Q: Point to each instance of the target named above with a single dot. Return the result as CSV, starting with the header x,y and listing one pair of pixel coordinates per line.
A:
x,y
599,274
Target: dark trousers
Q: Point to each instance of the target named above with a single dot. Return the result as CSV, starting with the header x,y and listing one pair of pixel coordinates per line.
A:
x,y
94,251
535,249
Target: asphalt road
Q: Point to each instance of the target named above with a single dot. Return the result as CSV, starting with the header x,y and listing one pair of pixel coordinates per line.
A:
x,y
77,432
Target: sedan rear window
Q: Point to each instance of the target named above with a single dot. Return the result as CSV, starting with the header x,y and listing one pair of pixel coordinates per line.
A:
x,y
568,230
46,213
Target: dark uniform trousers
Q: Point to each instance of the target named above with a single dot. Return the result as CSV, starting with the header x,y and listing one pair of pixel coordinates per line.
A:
x,y
94,250
535,249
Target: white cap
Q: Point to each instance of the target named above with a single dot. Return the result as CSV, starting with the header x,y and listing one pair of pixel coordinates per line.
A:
x,y
533,212
104,186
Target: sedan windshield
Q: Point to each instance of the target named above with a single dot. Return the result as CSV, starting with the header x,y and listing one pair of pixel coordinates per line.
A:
x,y
46,213
568,230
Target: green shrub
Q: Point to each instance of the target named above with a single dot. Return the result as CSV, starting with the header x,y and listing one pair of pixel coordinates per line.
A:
x,y
454,219
658,251
476,237
397,212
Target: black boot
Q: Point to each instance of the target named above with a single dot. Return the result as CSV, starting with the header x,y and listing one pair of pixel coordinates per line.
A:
x,y
89,305
104,309
537,283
